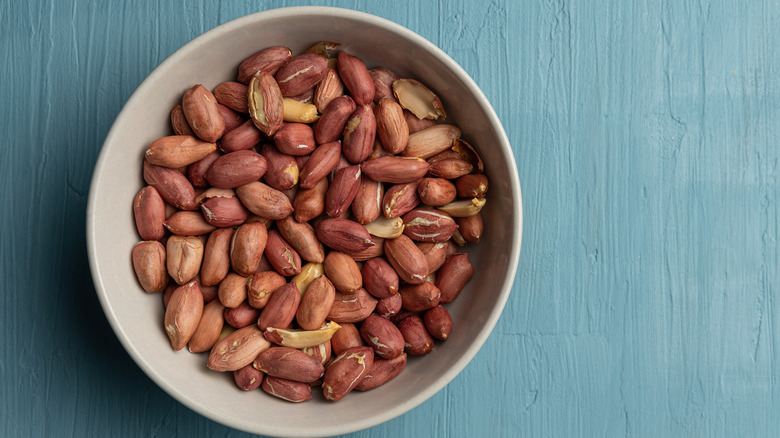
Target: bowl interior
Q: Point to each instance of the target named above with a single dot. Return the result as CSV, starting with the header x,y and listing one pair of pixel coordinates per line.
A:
x,y
212,58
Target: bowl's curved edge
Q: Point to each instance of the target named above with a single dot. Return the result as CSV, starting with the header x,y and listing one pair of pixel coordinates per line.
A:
x,y
512,261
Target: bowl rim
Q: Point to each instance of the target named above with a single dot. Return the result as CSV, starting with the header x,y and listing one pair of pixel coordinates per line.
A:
x,y
335,12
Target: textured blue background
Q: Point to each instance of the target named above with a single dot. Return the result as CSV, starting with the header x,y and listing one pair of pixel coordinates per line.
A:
x,y
646,141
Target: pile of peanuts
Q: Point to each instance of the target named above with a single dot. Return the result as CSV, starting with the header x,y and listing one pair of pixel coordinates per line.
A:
x,y
306,222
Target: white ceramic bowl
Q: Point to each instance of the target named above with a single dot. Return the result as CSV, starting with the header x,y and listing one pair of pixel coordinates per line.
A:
x,y
213,57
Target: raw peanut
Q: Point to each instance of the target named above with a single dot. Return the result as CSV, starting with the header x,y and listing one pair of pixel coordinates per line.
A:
x,y
343,162
407,260
352,307
348,336
467,153
246,248
233,95
367,205
400,199
183,314
264,201
387,307
321,352
210,293
457,238
456,271
241,315
176,151
300,235
281,308
430,141
226,331
321,162
328,89
214,192
418,99
307,97
395,169
238,349
172,186
415,124
383,83
343,272
282,168
403,314
343,235
354,74
359,134
342,190
149,213
209,328
316,303
435,253
295,139
452,248
224,211
291,192
188,223
419,297
289,363
387,228
323,48
294,338
443,155
168,292
378,150
184,256
282,256
309,273
235,169
301,73
269,60
216,257
261,286
436,191
242,138
149,265
179,122
232,119
464,207
310,203
203,116
383,336
265,103
376,250
429,225
248,378
346,371
289,390
470,227
474,185
264,265
379,278
417,340
233,290
381,372
334,118
450,168
299,112
438,322
391,127
196,172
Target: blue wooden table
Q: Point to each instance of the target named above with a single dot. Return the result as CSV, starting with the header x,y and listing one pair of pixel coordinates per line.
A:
x,y
646,135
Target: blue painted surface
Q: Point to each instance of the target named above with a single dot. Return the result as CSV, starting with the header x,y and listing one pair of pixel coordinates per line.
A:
x,y
646,142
